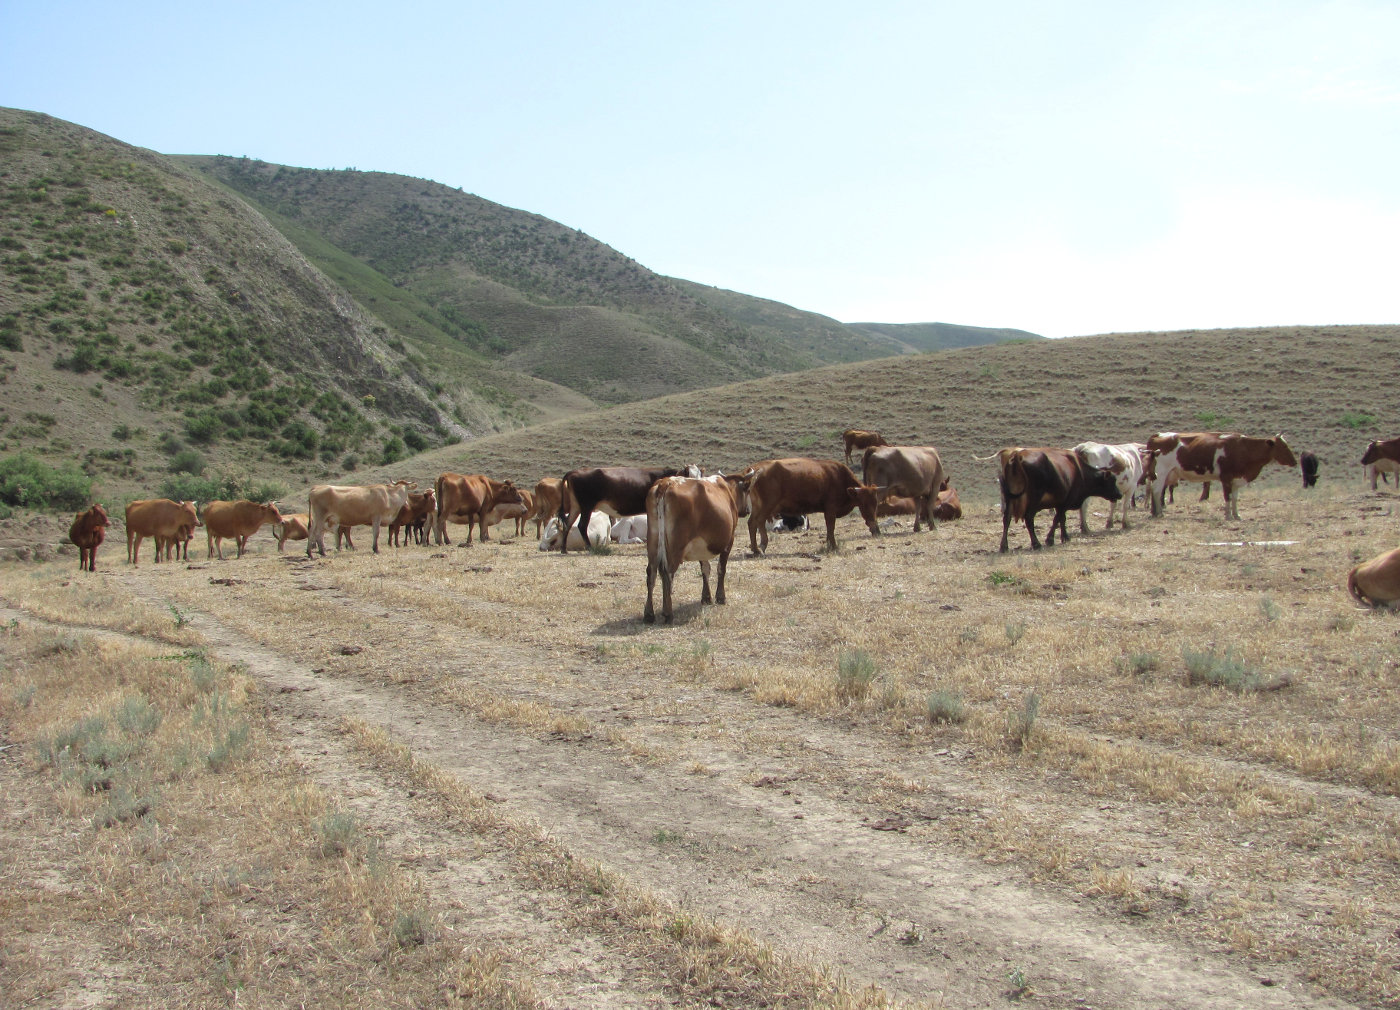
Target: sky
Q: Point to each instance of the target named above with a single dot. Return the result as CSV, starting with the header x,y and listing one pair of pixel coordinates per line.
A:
x,y
1070,168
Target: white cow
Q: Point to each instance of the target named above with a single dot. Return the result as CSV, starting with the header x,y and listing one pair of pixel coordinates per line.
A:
x,y
598,528
1125,462
630,529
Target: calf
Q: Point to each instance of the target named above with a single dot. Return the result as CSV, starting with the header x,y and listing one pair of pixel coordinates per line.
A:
x,y
87,533
1307,463
1382,456
689,519
859,438
291,527
598,527
414,513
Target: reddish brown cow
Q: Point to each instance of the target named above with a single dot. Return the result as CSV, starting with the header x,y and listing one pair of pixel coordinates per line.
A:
x,y
161,519
88,531
616,490
237,519
1234,460
896,505
689,519
858,438
1376,583
1033,480
946,506
419,506
467,498
801,486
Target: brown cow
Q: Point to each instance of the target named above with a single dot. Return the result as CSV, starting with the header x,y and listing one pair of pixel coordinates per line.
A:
x,y
946,506
689,519
333,505
292,527
616,490
548,502
800,486
1376,583
896,505
519,511
1381,457
1036,479
415,512
161,519
907,470
238,519
88,531
858,438
1234,460
466,499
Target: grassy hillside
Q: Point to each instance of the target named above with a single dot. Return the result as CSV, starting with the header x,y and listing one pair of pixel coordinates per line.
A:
x,y
1318,386
941,336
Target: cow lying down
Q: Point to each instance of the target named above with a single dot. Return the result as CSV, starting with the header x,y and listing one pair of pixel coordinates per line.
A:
x,y
599,526
1376,583
630,530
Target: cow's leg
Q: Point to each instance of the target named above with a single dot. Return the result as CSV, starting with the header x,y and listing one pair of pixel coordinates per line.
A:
x,y
830,531
1030,528
723,564
1005,523
375,540
705,596
1205,491
1084,517
649,611
587,514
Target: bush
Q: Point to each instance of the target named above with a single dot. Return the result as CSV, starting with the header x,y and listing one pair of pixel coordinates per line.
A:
x,y
27,483
1020,725
945,706
192,487
855,672
187,461
1357,419
1227,670
393,450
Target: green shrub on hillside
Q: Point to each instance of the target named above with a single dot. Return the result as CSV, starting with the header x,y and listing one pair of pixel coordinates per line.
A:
x,y
26,482
186,461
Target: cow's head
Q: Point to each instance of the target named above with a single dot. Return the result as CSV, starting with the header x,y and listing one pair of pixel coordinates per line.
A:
x,y
270,513
1102,482
1372,453
1281,453
99,515
867,499
192,508
740,484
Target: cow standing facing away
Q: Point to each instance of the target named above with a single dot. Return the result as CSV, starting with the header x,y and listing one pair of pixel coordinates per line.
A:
x,y
858,438
617,490
88,531
689,519
1033,480
911,471
334,505
237,519
801,486
161,519
1307,464
1234,460
1124,461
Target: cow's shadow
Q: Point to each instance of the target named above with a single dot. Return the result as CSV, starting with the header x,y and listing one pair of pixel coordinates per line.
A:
x,y
682,614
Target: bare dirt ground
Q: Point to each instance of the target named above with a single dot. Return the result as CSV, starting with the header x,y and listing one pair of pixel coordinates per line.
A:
x,y
1127,839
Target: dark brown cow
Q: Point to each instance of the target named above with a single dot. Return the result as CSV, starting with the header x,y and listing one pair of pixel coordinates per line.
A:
x,y
947,506
1234,460
1307,463
236,519
908,470
616,490
415,512
858,438
88,531
689,519
1033,480
466,499
1381,457
802,486
161,519
1376,583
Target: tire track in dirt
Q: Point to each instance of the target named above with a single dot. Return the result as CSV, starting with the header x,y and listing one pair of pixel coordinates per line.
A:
x,y
815,881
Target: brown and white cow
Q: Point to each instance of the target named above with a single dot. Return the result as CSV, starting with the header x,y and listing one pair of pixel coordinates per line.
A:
x,y
1124,460
414,513
1376,583
88,531
689,519
801,486
859,438
616,490
161,519
1033,480
238,519
1381,457
373,505
912,471
1234,460
467,498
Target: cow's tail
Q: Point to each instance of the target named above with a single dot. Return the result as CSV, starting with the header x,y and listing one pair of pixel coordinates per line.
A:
x,y
437,494
1355,590
661,527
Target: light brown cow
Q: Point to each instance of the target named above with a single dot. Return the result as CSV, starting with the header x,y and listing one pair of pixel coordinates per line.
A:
x,y
801,486
88,531
549,501
466,499
1376,583
335,505
519,511
689,519
238,519
1234,460
291,527
912,471
858,438
419,506
158,518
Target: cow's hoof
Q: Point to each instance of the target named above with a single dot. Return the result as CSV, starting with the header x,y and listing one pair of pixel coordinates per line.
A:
x,y
667,618
649,618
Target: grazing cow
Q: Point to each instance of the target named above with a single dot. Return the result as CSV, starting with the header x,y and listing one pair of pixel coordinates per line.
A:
x,y
160,519
857,438
1125,462
801,486
946,506
291,527
1036,479
617,490
414,513
630,530
334,505
1307,463
87,533
1376,583
598,527
517,510
911,471
1234,460
467,499
1381,457
689,519
237,519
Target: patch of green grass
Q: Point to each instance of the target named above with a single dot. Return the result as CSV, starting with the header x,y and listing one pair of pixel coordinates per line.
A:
x,y
1227,669
946,706
1357,420
855,672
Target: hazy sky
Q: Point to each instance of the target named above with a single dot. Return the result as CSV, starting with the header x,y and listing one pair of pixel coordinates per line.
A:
x,y
1068,168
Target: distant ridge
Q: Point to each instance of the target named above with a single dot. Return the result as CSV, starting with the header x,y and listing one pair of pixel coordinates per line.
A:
x,y
941,336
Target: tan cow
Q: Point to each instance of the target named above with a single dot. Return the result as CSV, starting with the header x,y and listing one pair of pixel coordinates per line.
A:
x,y
159,518
335,505
291,527
911,471
519,511
689,519
238,519
549,494
858,438
1376,583
467,498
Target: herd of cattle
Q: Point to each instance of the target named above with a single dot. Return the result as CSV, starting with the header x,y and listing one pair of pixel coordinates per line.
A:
x,y
683,516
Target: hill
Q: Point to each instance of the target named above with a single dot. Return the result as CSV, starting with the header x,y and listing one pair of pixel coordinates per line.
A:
x,y
941,336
